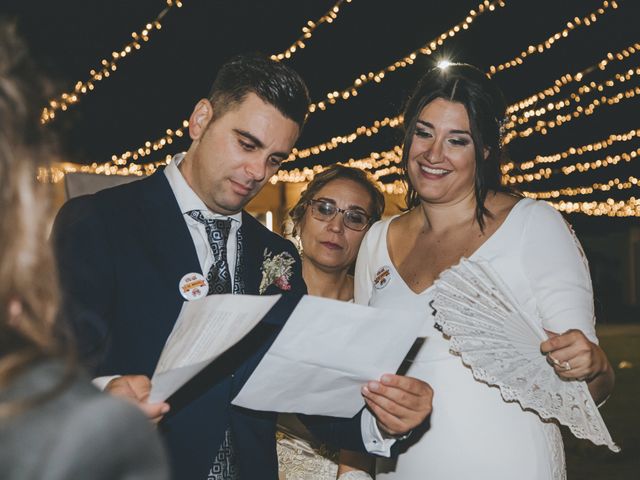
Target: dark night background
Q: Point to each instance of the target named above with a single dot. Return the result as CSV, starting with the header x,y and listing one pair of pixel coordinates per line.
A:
x,y
156,87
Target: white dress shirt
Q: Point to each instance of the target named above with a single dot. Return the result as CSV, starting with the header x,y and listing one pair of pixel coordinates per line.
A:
x,y
187,201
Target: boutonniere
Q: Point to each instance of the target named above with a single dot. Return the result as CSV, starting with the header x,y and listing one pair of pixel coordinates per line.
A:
x,y
276,270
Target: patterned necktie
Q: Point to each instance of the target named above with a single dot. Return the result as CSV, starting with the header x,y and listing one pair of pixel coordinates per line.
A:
x,y
224,463
218,230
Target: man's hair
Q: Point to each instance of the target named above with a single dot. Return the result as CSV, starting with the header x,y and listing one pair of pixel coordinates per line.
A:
x,y
273,82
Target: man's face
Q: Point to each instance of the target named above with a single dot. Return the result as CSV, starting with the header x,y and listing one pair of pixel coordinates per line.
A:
x,y
233,156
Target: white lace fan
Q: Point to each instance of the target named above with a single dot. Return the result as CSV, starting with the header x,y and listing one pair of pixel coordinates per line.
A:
x,y
501,345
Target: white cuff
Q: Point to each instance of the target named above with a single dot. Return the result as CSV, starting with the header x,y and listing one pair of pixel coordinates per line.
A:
x,y
372,438
101,382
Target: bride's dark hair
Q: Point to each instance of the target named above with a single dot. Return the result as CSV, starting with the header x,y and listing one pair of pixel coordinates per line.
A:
x,y
485,106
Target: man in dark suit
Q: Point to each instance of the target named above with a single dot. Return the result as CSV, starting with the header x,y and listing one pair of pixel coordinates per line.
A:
x,y
125,254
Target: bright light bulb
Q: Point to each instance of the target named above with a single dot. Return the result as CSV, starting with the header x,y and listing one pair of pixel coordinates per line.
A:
x,y
444,64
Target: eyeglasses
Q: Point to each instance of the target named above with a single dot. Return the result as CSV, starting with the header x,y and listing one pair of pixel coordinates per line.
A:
x,y
325,211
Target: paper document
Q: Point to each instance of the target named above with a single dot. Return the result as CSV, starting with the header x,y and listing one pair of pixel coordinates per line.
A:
x,y
325,353
204,330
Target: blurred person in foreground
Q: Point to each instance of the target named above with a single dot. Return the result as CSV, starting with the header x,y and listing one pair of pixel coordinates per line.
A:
x,y
53,423
329,220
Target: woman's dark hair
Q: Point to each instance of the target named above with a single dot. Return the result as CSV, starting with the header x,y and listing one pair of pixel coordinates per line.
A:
x,y
485,106
274,82
338,172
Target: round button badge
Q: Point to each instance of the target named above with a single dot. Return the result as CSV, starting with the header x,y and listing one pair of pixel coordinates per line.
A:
x,y
193,286
382,278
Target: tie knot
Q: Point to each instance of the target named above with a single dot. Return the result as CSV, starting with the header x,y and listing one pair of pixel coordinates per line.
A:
x,y
218,225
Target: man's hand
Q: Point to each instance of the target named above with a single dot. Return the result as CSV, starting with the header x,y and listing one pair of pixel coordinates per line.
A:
x,y
136,389
399,403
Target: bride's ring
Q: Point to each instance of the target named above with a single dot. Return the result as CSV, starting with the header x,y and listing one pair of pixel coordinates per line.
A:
x,y
566,366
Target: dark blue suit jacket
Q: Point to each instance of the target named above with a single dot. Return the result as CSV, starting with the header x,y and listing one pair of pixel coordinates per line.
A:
x,y
121,254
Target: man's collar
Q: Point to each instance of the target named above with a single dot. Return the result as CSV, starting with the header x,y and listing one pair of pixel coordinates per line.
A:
x,y
185,196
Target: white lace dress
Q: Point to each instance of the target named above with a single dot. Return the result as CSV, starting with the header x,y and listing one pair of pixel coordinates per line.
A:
x,y
300,457
473,433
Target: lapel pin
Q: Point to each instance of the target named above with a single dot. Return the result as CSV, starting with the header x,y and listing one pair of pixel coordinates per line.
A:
x,y
193,286
382,278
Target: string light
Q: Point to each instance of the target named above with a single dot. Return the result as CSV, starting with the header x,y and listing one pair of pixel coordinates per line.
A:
x,y
373,161
532,113
296,153
549,42
392,156
568,78
56,173
608,161
307,32
343,139
334,142
397,187
427,49
333,97
307,174
609,207
108,66
590,147
569,169
588,20
388,158
613,184
149,146
543,126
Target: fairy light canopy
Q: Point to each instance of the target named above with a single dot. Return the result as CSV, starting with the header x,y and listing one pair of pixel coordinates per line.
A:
x,y
568,95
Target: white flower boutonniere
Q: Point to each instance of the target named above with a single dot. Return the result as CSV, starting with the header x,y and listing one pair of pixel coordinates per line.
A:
x,y
276,271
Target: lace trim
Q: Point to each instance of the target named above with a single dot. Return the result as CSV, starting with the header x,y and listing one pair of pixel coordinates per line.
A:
x,y
299,459
500,344
556,451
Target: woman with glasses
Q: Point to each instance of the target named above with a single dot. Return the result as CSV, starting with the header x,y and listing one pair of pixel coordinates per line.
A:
x,y
329,221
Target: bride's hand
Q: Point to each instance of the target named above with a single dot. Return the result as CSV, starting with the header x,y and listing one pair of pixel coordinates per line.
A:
x,y
573,356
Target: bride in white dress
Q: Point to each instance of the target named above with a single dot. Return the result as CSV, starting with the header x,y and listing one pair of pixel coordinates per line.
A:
x,y
451,157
